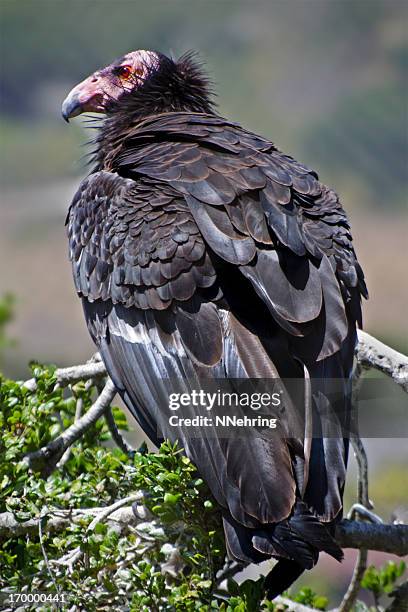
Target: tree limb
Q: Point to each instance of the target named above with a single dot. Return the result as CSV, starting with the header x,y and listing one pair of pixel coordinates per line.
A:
x,y
46,459
349,534
73,374
371,353
106,512
385,538
350,595
70,558
78,413
117,436
59,520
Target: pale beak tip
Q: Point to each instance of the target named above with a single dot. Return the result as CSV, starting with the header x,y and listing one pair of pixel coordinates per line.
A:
x,y
71,107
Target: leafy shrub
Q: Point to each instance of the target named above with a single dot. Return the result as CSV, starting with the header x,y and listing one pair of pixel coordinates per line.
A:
x,y
111,567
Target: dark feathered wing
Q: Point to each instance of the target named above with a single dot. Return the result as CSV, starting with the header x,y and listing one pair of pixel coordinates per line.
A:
x,y
205,252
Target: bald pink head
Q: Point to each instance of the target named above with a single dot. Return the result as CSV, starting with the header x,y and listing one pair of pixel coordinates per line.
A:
x,y
109,84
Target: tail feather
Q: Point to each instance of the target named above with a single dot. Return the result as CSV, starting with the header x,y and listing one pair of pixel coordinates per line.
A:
x,y
296,542
314,532
281,541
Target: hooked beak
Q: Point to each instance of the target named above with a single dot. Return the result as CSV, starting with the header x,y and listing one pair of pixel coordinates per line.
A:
x,y
85,97
71,107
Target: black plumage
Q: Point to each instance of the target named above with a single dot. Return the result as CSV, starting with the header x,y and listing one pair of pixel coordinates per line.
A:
x,y
200,250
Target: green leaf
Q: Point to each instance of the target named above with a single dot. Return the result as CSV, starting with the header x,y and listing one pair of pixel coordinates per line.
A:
x,y
171,498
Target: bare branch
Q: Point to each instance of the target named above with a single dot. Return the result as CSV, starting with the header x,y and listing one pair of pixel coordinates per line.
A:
x,y
371,353
45,556
70,558
59,520
362,479
73,374
78,413
363,506
350,595
385,538
116,435
46,459
349,534
105,512
230,569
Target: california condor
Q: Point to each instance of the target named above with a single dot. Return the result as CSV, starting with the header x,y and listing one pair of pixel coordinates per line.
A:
x,y
201,250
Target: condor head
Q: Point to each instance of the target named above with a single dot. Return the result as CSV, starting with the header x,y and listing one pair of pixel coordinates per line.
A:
x,y
106,86
143,82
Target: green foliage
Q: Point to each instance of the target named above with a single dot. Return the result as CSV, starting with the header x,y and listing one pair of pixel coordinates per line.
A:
x,y
113,567
168,561
247,596
308,597
382,581
30,420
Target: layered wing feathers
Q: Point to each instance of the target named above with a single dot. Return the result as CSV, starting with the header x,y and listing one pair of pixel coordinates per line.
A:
x,y
137,245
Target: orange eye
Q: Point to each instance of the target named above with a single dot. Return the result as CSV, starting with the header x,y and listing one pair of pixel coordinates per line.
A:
x,y
125,72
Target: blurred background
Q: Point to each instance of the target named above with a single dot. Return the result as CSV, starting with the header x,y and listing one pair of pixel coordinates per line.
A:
x,y
325,80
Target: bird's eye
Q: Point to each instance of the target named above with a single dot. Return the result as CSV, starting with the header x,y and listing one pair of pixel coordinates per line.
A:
x,y
124,72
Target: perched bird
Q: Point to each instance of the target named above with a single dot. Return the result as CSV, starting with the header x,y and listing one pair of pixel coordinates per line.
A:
x,y
201,251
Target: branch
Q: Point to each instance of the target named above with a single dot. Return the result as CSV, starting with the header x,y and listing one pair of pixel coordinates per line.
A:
x,y
362,479
373,536
364,503
73,374
349,534
371,353
230,569
354,587
59,520
70,558
46,459
45,556
117,436
106,512
78,413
